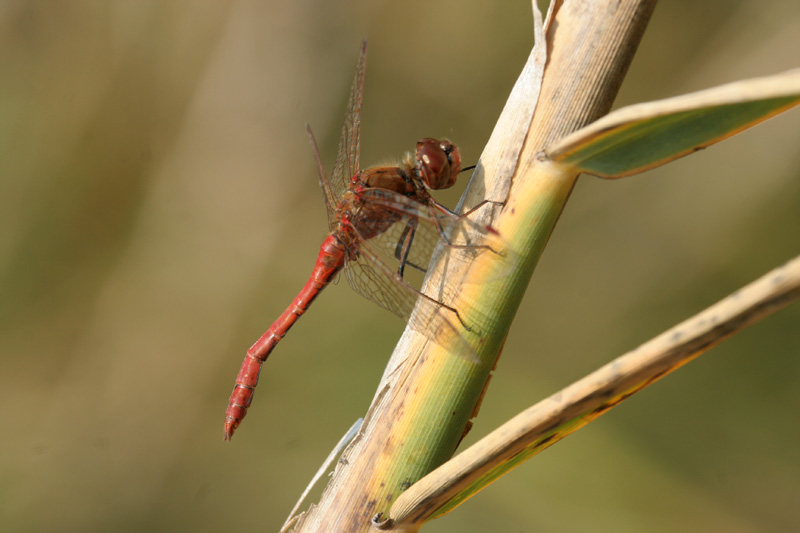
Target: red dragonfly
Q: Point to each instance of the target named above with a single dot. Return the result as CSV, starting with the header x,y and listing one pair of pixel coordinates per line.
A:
x,y
377,213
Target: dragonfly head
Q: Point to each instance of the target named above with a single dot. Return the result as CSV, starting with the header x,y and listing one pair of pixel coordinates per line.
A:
x,y
438,162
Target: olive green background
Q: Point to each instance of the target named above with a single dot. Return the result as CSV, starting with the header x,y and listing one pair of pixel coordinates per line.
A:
x,y
159,207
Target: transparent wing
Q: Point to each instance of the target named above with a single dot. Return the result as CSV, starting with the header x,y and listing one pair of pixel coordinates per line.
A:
x,y
346,164
330,199
372,278
384,270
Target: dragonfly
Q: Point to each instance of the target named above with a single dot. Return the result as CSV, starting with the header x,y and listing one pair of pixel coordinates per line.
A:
x,y
377,216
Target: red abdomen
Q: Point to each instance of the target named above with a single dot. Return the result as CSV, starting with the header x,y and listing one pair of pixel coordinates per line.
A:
x,y
329,262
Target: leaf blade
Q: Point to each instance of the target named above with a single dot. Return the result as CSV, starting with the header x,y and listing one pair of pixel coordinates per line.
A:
x,y
644,136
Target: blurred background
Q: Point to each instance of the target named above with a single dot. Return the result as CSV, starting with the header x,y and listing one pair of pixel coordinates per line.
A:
x,y
159,208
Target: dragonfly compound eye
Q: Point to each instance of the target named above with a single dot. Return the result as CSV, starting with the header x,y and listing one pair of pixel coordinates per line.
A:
x,y
438,162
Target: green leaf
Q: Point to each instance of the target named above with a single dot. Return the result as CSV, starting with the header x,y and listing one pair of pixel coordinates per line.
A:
x,y
640,137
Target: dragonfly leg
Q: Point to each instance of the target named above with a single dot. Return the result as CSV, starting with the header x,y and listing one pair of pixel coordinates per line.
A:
x,y
449,308
404,247
453,214
401,254
436,205
399,276
478,206
481,204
